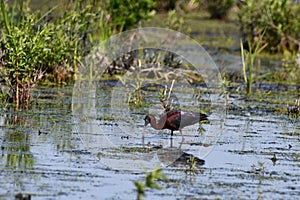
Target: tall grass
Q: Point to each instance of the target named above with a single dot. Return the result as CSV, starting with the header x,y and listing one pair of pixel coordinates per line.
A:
x,y
32,45
24,45
35,45
248,58
280,20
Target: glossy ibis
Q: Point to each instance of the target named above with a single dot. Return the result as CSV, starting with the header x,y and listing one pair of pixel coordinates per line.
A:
x,y
175,120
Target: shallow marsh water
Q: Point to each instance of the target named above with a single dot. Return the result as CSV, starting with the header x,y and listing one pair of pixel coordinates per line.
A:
x,y
43,154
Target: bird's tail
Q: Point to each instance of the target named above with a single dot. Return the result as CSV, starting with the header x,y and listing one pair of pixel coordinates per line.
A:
x,y
203,117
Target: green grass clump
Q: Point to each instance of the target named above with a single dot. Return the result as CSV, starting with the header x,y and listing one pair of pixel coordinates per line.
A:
x,y
280,20
33,46
150,182
248,58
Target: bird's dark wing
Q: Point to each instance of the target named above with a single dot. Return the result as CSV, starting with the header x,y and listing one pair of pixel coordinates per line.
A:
x,y
178,119
190,118
173,119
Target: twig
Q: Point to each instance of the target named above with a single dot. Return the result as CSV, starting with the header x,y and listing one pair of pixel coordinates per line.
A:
x,y
171,88
165,100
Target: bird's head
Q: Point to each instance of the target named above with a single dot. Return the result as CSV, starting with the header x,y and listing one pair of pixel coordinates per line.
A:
x,y
147,120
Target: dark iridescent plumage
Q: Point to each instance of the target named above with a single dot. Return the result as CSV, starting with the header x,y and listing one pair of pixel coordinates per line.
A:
x,y
175,120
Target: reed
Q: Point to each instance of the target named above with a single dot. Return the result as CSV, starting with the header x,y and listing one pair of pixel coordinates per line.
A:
x,y
248,60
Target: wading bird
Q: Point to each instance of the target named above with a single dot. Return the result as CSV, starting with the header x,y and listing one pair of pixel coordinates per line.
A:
x,y
175,120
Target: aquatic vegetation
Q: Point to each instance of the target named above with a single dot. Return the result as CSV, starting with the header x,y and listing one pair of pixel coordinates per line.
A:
x,y
191,165
21,67
136,97
135,90
147,66
226,84
278,19
145,149
124,16
258,170
293,133
294,110
33,46
218,9
165,94
150,182
248,58
291,70
174,21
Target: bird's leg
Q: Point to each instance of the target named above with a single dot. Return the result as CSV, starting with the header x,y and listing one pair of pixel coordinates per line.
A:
x,y
143,136
182,138
181,135
171,139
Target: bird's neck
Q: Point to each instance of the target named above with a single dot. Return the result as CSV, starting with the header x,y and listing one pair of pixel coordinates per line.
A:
x,y
159,125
